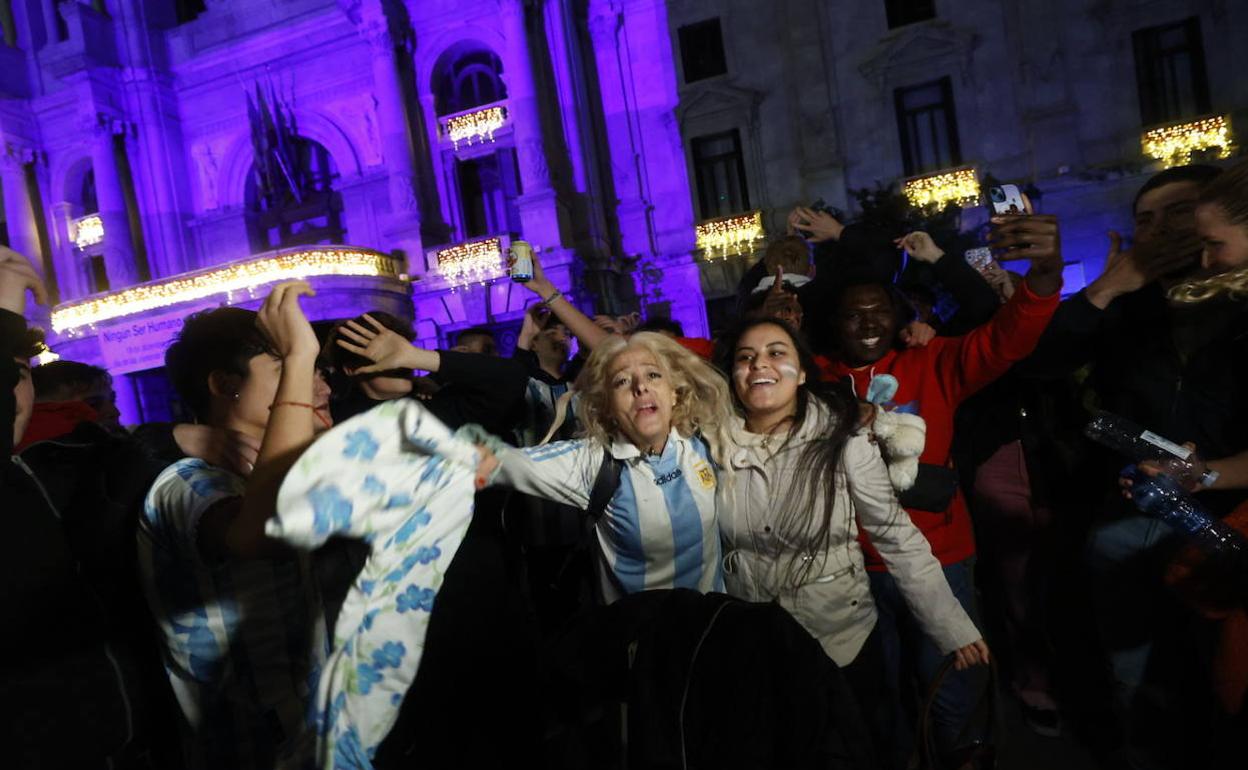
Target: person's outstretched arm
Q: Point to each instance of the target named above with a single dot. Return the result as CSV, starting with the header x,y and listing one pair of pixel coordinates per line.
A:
x,y
581,326
487,389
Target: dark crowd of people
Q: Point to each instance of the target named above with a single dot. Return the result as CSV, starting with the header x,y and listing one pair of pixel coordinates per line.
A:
x,y
783,547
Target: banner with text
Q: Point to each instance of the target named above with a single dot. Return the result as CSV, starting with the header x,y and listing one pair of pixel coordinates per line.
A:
x,y
139,343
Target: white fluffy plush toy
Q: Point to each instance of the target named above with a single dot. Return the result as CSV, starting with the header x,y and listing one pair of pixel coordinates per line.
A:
x,y
902,437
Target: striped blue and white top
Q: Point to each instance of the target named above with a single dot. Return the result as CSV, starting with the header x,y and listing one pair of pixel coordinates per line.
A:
x,y
660,528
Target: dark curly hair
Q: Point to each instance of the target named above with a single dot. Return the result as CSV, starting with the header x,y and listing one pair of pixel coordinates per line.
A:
x,y
224,339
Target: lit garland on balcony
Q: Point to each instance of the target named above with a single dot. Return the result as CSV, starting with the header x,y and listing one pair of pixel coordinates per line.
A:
x,y
730,235
88,231
935,191
289,266
466,263
1174,145
472,127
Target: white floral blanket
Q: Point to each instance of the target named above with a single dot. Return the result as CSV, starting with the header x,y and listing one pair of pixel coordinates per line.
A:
x,y
398,479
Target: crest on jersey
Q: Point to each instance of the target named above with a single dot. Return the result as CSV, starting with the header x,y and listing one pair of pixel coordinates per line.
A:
x,y
705,475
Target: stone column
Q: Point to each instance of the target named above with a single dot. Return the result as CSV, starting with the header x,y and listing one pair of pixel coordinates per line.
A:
x,y
69,271
637,82
19,215
119,258
539,211
396,145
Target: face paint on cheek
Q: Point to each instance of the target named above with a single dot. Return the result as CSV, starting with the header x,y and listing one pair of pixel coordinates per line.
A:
x,y
741,375
789,371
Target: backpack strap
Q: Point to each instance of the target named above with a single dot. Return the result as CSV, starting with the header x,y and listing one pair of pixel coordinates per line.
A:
x,y
606,482
605,485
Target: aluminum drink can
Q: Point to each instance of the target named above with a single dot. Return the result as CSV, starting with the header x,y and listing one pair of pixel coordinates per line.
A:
x,y
520,261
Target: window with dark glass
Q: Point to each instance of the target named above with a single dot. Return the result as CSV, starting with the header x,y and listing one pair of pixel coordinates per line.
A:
x,y
187,10
8,26
1170,72
702,50
471,80
719,168
928,127
903,12
290,197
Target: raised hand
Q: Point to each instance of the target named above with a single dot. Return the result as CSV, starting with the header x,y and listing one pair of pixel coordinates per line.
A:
x,y
1034,237
821,225
16,276
387,349
282,319
780,303
917,334
539,284
920,246
218,446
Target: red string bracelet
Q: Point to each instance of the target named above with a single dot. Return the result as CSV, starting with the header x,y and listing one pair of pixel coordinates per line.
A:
x,y
324,421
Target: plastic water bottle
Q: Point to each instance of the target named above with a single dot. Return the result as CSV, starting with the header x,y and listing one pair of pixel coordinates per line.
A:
x,y
1138,444
1163,498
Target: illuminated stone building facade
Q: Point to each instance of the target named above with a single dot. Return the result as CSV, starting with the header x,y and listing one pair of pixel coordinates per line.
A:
x,y
162,156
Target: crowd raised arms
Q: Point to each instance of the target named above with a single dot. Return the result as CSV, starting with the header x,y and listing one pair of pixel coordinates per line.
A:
x,y
359,549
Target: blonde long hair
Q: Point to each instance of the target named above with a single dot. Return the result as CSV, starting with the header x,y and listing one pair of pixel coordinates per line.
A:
x,y
1229,192
1233,283
703,404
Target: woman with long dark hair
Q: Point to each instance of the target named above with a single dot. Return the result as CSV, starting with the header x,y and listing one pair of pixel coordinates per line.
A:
x,y
805,477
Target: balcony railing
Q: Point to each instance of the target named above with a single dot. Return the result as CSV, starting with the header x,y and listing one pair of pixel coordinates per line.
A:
x,y
725,236
1174,144
293,264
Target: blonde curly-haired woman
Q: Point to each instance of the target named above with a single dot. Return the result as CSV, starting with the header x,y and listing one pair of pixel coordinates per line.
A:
x,y
661,412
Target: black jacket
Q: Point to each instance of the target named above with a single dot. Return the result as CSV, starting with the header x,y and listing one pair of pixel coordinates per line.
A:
x,y
1179,372
476,388
78,665
709,681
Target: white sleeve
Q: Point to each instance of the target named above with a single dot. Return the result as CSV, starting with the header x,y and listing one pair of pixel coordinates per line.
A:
x,y
180,497
563,472
904,549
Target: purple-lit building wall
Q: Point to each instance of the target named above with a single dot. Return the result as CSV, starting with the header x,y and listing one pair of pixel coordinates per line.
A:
x,y
141,117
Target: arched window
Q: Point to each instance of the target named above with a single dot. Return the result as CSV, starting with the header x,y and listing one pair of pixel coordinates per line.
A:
x,y
88,201
291,200
467,78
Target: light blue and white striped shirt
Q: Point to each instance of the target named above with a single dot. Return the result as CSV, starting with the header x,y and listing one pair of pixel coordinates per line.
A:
x,y
659,530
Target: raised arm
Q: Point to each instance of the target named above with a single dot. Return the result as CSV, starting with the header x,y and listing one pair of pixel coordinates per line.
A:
x,y
977,302
966,364
17,276
581,326
480,389
238,530
563,472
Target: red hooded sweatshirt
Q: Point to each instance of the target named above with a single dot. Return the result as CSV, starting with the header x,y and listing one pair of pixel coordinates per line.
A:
x,y
51,419
933,381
